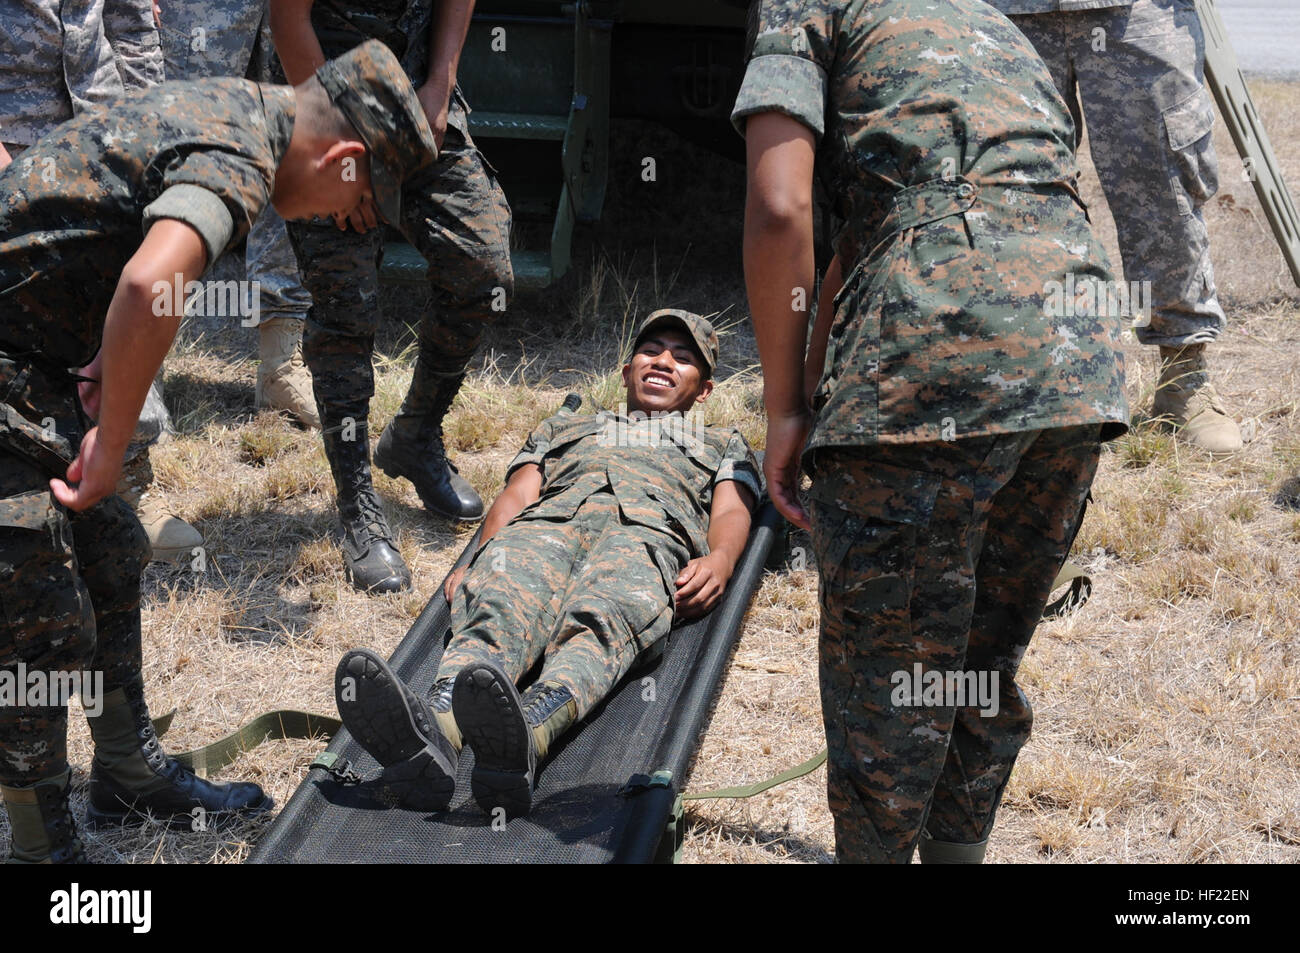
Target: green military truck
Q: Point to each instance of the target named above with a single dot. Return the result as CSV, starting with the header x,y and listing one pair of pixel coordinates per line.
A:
x,y
544,79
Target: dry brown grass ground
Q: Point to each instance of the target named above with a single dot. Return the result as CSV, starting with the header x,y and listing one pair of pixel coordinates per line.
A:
x,y
1166,707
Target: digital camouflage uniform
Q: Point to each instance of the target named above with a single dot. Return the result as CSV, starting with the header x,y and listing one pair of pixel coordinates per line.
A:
x,y
203,38
453,212
1135,70
586,576
133,35
54,60
957,417
70,582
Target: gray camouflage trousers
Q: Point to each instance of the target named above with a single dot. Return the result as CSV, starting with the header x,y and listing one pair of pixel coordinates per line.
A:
x,y
1136,75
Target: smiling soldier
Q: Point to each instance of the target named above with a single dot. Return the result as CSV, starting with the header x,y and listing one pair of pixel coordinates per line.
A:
x,y
592,550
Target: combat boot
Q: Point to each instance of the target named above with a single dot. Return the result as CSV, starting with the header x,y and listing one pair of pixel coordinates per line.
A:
x,y
398,729
40,823
131,776
171,539
509,734
370,557
283,381
411,446
1187,400
944,852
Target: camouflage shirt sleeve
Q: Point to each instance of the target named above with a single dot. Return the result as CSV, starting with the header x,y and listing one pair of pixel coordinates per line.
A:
x,y
740,465
534,449
199,208
792,53
239,184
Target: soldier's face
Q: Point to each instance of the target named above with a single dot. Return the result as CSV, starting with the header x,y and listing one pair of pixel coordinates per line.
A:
x,y
331,185
665,374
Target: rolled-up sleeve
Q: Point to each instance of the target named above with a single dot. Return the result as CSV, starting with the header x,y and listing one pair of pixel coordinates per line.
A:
x,y
534,449
791,55
199,208
740,465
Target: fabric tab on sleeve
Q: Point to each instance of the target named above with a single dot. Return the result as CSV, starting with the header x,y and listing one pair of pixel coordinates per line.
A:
x,y
782,83
201,210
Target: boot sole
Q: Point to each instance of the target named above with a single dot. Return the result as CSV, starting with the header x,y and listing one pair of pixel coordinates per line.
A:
x,y
490,715
380,719
100,819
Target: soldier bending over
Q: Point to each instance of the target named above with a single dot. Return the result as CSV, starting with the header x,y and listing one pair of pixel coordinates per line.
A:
x,y
191,166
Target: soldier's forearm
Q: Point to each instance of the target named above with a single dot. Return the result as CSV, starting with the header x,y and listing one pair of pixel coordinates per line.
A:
x,y
523,488
728,533
295,40
137,335
446,39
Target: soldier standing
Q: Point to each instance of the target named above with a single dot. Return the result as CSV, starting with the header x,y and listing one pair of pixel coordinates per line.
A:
x,y
1135,70
189,166
955,423
456,216
204,38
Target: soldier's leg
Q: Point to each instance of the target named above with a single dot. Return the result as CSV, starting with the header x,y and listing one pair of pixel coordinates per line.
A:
x,y
617,605
897,532
1031,526
283,381
1150,118
131,32
340,271
47,627
455,213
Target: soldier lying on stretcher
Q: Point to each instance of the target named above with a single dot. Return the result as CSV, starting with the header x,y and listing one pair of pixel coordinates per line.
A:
x,y
609,528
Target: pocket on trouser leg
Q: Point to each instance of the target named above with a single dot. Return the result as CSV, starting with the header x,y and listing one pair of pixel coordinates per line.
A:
x,y
1194,168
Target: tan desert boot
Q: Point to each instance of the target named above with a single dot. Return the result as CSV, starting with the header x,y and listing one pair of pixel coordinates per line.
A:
x,y
171,539
1186,398
283,381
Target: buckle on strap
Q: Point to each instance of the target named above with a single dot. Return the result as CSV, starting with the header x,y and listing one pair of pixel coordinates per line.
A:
x,y
339,768
928,202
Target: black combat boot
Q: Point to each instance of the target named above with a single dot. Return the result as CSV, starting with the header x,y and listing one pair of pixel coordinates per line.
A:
x,y
370,556
42,828
395,725
509,734
411,446
131,775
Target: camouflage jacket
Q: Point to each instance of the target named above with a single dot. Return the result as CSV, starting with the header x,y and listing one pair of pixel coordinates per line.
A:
x,y
74,207
662,469
55,60
948,154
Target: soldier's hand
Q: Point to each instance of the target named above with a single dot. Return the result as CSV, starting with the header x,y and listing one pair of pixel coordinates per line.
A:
x,y
95,473
362,218
453,583
786,437
435,100
699,586
5,157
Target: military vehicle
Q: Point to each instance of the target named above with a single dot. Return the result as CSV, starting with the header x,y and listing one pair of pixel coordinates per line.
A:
x,y
544,79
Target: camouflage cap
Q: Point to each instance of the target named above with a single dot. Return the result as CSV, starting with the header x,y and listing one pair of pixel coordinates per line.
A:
x,y
700,331
369,86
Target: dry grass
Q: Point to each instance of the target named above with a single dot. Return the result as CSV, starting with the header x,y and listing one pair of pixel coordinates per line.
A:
x,y
1166,708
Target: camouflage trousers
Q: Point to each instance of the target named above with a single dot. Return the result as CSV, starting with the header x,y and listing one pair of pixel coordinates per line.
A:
x,y
936,561
585,595
69,582
455,215
1137,76
131,32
